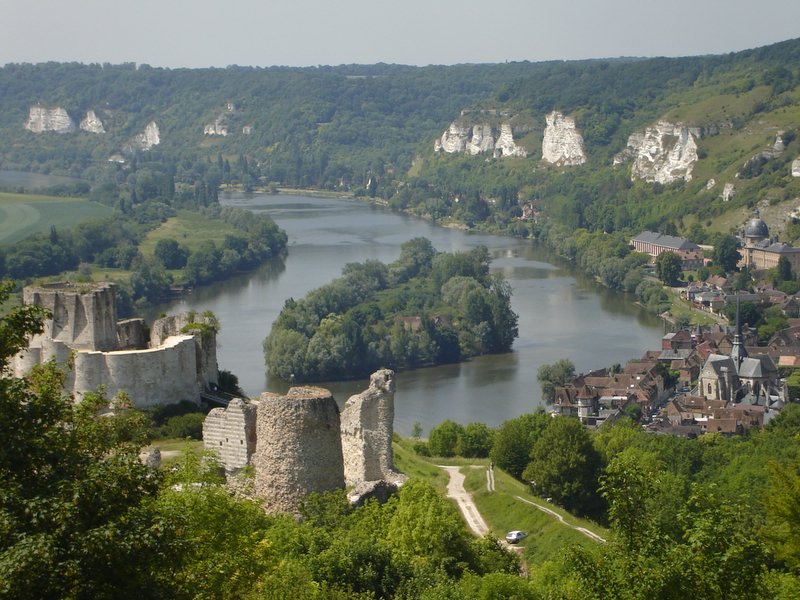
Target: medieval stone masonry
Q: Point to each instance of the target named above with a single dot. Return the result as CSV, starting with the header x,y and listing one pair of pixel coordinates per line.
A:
x,y
299,443
118,356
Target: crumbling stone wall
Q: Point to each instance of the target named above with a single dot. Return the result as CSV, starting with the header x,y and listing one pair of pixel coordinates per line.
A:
x,y
172,368
298,449
83,317
231,433
132,334
367,424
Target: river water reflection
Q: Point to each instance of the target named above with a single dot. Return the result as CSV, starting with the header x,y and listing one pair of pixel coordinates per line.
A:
x,y
561,315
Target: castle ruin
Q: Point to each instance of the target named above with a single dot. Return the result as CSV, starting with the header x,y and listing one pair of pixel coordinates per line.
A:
x,y
118,356
298,450
303,444
231,432
367,426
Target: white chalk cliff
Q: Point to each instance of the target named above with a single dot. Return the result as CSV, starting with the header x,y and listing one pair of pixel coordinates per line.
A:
x,y
728,192
479,139
147,139
562,143
92,123
663,153
796,167
218,127
41,119
505,145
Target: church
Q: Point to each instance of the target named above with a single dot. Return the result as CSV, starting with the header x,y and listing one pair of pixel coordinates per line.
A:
x,y
739,378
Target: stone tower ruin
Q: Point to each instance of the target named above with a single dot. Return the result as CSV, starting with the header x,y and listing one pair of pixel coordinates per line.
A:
x,y
298,448
367,427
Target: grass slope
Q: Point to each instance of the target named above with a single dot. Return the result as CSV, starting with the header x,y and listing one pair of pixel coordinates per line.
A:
x,y
189,229
501,510
24,214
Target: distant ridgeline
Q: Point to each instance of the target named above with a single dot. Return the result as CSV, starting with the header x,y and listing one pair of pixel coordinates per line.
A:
x,y
425,308
605,145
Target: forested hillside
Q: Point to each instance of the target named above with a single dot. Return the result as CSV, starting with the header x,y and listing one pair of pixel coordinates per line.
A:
x,y
371,130
683,146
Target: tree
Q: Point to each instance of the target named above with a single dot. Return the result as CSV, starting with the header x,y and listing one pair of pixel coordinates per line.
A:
x,y
784,269
475,441
76,503
170,253
725,253
565,466
552,376
668,267
443,439
514,440
782,500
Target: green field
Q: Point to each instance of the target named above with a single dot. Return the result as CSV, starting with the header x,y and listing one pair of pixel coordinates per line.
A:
x,y
24,214
189,229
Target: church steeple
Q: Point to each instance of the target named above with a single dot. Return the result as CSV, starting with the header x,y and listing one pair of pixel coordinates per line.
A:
x,y
738,351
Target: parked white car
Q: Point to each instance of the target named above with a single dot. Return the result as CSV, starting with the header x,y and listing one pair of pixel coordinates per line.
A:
x,y
513,537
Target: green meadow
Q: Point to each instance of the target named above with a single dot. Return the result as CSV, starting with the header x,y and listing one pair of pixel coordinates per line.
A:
x,y
24,214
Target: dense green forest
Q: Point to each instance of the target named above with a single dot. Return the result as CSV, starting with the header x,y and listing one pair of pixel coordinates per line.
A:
x,y
81,516
369,130
425,308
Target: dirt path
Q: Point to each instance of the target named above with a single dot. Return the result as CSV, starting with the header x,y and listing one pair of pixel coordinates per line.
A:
x,y
590,534
456,491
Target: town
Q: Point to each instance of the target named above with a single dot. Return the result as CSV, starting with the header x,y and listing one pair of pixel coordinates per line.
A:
x,y
703,379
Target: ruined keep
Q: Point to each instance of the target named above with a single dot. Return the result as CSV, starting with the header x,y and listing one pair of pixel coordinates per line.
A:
x,y
119,356
298,448
231,432
299,443
367,426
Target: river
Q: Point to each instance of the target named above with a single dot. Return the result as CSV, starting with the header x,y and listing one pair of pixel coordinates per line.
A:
x,y
561,314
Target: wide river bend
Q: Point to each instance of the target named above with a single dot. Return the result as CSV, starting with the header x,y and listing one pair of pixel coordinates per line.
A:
x,y
561,314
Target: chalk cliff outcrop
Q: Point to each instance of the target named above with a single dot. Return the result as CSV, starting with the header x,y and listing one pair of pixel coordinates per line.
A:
x,y
662,153
41,119
562,143
479,139
796,167
92,123
218,127
728,192
151,136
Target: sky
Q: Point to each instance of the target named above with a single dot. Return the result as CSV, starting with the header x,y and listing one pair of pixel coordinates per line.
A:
x,y
214,33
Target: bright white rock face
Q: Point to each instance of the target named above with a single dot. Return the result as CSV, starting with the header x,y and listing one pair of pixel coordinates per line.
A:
x,y
796,167
92,123
479,139
41,119
663,153
562,143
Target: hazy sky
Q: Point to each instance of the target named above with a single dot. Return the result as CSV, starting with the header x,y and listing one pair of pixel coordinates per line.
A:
x,y
202,33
